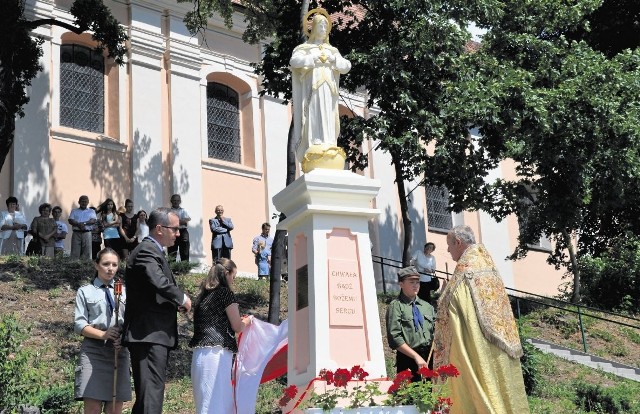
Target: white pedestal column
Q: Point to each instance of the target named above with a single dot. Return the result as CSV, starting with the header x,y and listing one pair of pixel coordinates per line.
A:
x,y
333,310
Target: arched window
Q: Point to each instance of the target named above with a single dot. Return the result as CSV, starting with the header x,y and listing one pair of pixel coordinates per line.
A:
x,y
223,123
81,88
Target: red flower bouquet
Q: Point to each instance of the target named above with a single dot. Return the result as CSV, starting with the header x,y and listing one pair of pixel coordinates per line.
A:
x,y
426,395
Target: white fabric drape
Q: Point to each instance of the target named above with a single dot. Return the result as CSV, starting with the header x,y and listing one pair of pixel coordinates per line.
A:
x,y
259,342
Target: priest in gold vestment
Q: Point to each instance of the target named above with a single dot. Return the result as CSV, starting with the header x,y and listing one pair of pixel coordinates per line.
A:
x,y
476,332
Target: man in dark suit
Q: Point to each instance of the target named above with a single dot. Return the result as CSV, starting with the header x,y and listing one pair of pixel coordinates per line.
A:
x,y
150,326
221,243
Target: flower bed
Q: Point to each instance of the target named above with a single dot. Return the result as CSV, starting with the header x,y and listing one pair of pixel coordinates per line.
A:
x,y
429,395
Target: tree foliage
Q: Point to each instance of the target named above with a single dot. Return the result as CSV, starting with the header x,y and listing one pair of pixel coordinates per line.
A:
x,y
551,89
612,279
20,53
565,113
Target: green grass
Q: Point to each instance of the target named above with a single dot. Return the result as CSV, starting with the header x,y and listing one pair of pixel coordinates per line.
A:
x,y
632,334
599,333
56,281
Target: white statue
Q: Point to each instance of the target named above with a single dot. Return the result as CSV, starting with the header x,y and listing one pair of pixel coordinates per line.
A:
x,y
316,67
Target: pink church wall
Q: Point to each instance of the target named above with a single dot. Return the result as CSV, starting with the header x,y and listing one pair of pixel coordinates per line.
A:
x,y
243,200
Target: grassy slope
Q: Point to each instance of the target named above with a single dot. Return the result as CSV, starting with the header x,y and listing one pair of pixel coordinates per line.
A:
x,y
42,295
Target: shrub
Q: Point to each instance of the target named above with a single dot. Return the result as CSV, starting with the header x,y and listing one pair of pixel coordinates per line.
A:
x,y
268,395
594,398
19,375
57,399
182,267
530,371
252,291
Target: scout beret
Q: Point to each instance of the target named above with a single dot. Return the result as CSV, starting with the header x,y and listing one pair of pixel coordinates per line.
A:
x,y
406,272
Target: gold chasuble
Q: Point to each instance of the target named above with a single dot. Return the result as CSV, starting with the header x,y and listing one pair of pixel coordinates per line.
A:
x,y
476,332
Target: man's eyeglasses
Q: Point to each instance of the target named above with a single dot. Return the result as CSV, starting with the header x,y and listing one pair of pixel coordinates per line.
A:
x,y
174,229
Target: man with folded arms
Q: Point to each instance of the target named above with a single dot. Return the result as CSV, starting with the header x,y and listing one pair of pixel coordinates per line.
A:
x,y
82,220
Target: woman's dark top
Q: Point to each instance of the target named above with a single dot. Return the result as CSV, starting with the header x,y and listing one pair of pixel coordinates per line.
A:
x,y
211,326
129,225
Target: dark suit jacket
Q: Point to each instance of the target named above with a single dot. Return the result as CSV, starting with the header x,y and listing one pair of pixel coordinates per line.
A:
x,y
152,298
221,235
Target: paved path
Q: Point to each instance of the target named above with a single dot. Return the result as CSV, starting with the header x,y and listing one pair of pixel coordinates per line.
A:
x,y
592,361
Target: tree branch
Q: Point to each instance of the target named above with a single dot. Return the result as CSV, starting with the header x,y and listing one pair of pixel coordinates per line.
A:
x,y
41,22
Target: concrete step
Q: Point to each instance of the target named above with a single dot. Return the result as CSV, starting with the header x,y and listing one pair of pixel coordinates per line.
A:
x,y
591,361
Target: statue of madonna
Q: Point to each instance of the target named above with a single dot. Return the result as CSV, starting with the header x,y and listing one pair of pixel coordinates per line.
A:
x,y
316,67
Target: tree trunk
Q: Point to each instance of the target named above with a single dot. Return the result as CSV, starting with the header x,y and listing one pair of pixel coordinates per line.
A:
x,y
575,297
404,211
304,8
7,115
277,255
277,248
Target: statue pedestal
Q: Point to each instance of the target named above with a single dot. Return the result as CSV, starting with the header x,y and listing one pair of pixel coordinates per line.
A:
x,y
333,313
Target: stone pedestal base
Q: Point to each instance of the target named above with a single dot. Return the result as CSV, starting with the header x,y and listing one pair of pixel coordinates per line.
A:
x,y
333,310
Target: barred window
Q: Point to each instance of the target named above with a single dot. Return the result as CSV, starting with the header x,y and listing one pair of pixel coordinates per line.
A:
x,y
81,88
223,123
438,217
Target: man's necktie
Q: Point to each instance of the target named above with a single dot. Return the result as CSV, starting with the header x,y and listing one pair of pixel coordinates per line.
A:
x,y
109,298
418,319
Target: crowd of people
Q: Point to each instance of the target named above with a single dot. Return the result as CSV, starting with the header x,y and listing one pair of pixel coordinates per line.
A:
x,y
118,228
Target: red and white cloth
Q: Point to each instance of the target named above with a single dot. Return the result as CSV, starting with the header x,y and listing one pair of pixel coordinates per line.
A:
x,y
262,356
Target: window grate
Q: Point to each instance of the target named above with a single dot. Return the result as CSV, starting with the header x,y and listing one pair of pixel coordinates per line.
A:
x,y
81,88
223,123
438,217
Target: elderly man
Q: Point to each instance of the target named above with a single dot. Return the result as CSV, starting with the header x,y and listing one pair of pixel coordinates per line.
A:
x,y
82,220
410,324
476,332
221,241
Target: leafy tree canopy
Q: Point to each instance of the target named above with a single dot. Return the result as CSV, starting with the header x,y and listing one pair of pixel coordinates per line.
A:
x,y
550,90
568,117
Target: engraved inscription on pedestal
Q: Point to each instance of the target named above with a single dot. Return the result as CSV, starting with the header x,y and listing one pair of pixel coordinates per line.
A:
x,y
302,282
345,293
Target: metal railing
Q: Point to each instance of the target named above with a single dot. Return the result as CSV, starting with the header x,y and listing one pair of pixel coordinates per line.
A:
x,y
519,296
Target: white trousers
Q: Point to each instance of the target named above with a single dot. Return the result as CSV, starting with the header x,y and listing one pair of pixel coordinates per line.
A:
x,y
211,376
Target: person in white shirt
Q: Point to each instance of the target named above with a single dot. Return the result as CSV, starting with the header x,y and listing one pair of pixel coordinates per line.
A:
x,y
143,229
425,263
82,220
13,228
